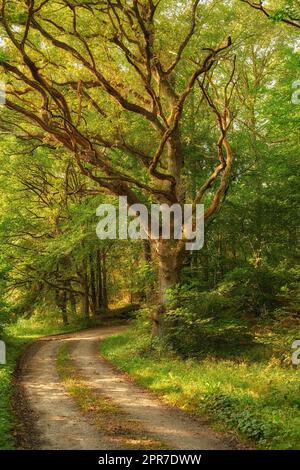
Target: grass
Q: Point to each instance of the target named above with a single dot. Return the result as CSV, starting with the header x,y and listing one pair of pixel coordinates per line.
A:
x,y
256,394
118,428
17,336
14,347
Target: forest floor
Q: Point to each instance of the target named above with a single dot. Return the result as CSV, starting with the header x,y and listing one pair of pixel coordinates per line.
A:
x,y
69,397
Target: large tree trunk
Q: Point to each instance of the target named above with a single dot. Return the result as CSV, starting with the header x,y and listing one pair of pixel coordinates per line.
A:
x,y
169,252
169,259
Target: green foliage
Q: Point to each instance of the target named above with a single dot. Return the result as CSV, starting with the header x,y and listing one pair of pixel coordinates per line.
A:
x,y
221,319
51,262
260,290
249,423
3,56
290,10
14,347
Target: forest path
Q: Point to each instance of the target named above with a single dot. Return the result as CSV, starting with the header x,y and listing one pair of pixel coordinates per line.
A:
x,y
51,418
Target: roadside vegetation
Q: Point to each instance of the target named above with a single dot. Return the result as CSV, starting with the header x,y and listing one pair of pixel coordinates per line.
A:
x,y
164,102
17,336
244,385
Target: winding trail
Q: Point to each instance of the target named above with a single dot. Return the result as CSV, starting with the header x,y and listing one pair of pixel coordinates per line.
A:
x,y
51,418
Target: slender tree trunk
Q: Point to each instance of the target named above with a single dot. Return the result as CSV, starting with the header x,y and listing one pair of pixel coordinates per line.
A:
x,y
64,307
72,300
147,251
85,304
206,268
220,257
104,283
93,286
61,302
99,283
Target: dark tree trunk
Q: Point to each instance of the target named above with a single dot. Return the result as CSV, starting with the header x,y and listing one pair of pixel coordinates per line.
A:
x,y
147,251
94,305
104,283
73,303
64,307
61,302
85,304
99,283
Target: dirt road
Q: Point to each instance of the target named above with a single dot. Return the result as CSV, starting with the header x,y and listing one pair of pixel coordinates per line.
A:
x,y
51,419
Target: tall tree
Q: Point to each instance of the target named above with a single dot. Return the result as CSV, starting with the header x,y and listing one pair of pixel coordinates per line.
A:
x,y
81,74
113,86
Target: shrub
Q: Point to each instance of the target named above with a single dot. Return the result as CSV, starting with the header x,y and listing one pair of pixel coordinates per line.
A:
x,y
219,321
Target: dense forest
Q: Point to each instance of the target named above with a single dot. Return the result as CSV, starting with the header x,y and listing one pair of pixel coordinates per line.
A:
x,y
169,103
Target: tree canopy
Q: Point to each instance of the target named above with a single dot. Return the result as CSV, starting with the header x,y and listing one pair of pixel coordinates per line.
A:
x,y
157,101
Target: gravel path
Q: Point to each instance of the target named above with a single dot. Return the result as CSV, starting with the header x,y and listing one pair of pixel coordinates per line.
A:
x,y
53,420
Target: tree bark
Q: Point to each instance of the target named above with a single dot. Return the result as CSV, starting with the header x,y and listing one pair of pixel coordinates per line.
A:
x,y
99,283
72,300
147,251
61,302
94,305
64,307
169,258
104,283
